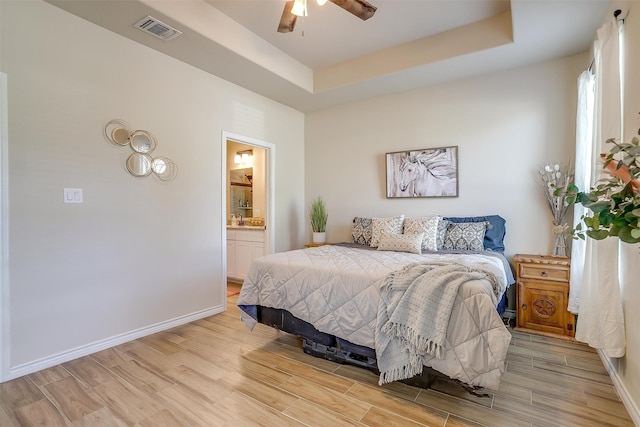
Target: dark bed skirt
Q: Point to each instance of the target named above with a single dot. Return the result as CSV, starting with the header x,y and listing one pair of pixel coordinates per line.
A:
x,y
325,346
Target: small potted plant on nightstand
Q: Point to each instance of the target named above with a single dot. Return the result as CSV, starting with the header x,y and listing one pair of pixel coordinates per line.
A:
x,y
318,215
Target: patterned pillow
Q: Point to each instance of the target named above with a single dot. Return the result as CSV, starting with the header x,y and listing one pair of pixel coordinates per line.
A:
x,y
494,237
427,225
361,233
443,225
466,236
411,242
390,225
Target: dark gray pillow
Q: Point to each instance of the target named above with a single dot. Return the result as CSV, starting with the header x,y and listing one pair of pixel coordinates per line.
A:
x,y
466,236
362,231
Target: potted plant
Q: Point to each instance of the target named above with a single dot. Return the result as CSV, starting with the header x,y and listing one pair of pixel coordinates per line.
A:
x,y
614,203
318,216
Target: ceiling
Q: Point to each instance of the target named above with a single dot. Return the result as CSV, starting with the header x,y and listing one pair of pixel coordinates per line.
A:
x,y
333,57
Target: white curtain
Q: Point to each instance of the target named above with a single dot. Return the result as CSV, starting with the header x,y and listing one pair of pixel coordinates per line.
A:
x,y
595,289
584,156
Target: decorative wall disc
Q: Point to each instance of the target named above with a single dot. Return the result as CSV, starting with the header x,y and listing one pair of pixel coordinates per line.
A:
x,y
120,136
143,141
140,163
164,168
117,132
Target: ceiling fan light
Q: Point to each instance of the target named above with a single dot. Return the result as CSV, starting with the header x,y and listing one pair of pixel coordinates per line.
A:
x,y
321,2
299,8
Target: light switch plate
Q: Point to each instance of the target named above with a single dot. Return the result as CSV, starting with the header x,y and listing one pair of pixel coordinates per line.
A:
x,y
73,195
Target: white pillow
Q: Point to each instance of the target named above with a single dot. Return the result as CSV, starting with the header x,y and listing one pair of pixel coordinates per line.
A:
x,y
379,226
401,242
427,225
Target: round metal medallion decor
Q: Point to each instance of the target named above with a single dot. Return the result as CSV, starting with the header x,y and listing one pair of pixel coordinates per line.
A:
x,y
544,307
142,142
117,132
139,164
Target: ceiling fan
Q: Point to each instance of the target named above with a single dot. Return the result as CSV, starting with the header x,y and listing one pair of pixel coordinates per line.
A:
x,y
295,8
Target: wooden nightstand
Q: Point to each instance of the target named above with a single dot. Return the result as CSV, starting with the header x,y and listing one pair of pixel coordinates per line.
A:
x,y
542,295
313,245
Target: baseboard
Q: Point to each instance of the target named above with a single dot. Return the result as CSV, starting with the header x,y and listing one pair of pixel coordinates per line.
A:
x,y
623,393
65,356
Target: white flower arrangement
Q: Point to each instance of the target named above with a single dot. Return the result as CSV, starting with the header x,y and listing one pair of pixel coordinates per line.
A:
x,y
555,180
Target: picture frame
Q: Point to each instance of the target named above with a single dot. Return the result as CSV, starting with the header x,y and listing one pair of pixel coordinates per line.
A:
x,y
428,172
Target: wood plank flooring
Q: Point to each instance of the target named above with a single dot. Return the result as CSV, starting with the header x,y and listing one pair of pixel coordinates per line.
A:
x,y
233,288
214,372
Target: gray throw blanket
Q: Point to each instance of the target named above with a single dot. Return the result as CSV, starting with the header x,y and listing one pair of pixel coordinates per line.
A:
x,y
413,315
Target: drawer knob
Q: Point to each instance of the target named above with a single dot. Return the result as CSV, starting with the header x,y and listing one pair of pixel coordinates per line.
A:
x,y
543,274
524,306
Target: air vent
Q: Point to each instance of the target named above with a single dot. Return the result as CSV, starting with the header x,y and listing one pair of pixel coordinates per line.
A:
x,y
157,28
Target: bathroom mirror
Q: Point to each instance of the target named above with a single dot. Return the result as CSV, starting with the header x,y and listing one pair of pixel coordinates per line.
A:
x,y
241,177
241,194
139,164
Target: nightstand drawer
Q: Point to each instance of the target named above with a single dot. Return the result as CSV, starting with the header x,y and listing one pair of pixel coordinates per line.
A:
x,y
546,272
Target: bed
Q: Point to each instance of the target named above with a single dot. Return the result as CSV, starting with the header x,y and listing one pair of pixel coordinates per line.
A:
x,y
366,302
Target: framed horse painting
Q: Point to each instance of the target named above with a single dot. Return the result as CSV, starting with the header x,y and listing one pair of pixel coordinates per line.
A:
x,y
430,172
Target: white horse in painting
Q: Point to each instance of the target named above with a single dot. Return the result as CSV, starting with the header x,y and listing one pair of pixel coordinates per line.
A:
x,y
428,173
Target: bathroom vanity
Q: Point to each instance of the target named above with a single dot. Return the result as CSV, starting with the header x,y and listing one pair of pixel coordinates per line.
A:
x,y
244,244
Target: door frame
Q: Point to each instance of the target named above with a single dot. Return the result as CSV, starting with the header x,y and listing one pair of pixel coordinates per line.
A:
x,y
4,233
270,159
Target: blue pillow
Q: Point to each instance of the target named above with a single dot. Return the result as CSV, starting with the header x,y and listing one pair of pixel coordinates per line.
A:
x,y
494,236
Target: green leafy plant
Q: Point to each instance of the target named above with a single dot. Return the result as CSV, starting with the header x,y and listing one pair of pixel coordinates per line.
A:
x,y
318,215
614,203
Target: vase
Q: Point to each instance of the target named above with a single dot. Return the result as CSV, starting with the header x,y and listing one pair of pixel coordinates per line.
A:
x,y
319,237
559,240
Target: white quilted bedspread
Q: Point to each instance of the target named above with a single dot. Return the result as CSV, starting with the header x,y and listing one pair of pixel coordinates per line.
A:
x,y
336,289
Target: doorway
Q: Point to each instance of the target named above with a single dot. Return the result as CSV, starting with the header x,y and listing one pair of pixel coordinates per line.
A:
x,y
248,209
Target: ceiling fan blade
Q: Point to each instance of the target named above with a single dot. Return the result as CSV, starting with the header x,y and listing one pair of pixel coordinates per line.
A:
x,y
359,8
288,20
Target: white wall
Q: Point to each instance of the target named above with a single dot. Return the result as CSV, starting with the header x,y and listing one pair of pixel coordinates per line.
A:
x,y
139,251
627,369
506,125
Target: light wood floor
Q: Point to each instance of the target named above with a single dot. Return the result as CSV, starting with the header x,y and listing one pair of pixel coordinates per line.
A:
x,y
214,372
